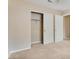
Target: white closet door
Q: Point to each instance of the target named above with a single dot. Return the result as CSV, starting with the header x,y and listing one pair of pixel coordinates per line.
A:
x,y
48,28
58,28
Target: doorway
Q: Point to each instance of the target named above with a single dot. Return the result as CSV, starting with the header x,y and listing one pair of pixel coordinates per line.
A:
x,y
36,27
66,27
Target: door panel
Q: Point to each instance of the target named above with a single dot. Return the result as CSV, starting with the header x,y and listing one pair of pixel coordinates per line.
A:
x,y
58,28
48,28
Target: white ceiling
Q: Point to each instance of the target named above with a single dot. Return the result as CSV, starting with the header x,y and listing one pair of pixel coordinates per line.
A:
x,y
63,5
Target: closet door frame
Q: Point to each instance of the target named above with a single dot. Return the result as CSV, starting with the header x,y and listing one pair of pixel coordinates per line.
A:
x,y
41,26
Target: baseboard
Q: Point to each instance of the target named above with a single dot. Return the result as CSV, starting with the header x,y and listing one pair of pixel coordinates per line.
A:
x,y
20,50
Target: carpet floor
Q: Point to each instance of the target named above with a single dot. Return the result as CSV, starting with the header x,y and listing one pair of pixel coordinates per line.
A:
x,y
60,50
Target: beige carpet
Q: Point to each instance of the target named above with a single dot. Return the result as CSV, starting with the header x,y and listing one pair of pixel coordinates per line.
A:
x,y
59,50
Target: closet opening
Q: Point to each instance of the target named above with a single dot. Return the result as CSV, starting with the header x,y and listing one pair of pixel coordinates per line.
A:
x,y
36,28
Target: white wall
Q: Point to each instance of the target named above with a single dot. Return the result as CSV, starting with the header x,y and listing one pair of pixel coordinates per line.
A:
x,y
19,26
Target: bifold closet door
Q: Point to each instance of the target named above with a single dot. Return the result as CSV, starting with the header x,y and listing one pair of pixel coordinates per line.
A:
x,y
48,28
58,28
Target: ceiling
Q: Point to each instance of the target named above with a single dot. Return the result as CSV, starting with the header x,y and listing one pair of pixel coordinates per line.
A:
x,y
62,5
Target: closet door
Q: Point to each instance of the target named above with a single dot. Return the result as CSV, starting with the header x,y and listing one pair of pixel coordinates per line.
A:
x,y
48,28
58,28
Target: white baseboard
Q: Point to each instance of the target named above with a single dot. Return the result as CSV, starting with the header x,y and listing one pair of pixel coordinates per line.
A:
x,y
12,52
